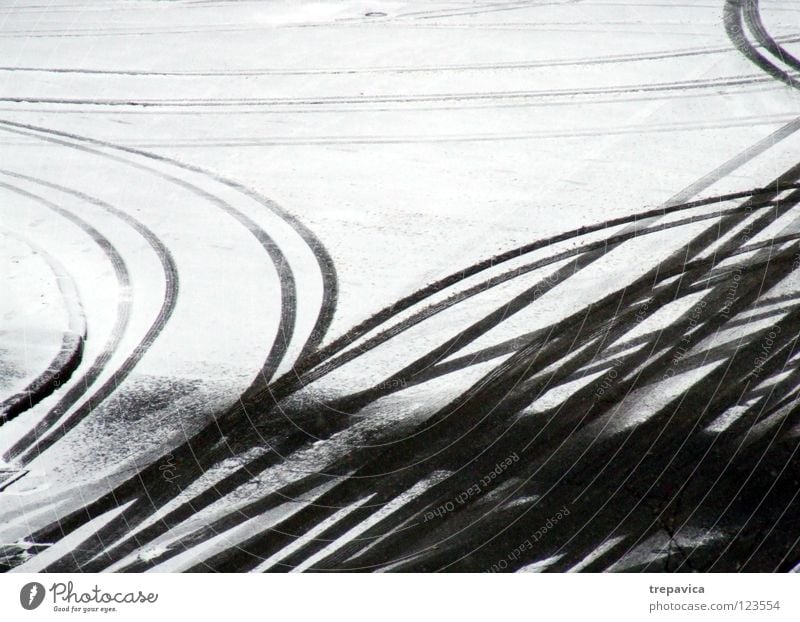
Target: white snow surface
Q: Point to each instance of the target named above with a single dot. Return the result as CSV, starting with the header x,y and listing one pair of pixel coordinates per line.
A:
x,y
412,138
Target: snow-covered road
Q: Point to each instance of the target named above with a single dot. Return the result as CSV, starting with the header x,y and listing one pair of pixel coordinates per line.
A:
x,y
273,238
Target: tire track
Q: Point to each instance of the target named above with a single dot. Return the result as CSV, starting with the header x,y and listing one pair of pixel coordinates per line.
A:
x,y
335,109
685,85
511,65
70,354
676,203
32,444
309,519
533,519
351,491
752,16
33,441
347,495
259,464
735,14
321,255
420,139
216,429
226,523
288,294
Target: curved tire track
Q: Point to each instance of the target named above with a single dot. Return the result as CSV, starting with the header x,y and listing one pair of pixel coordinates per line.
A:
x,y
35,441
70,354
